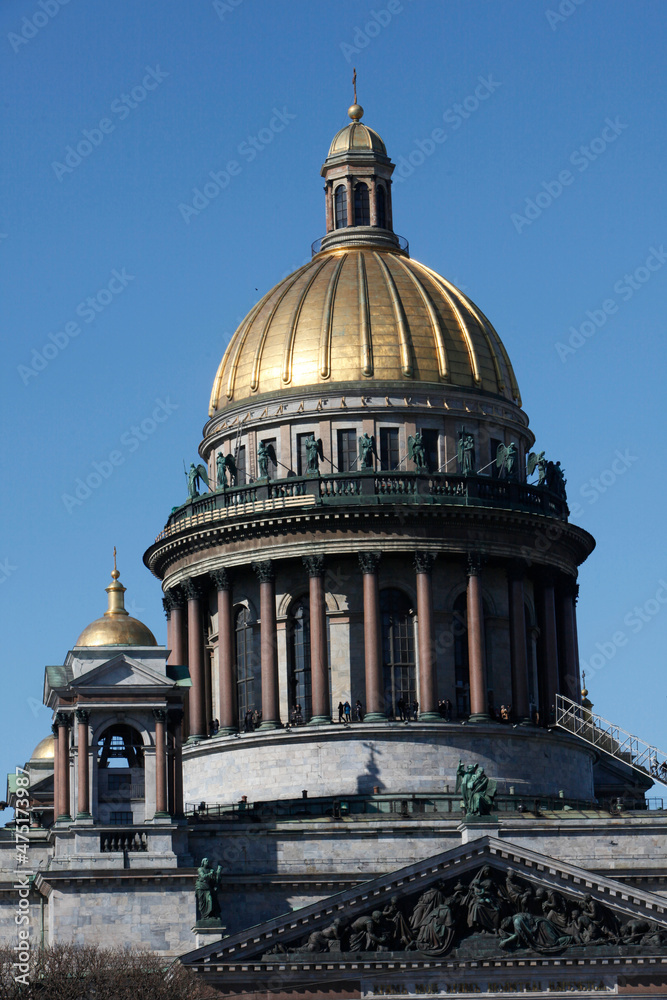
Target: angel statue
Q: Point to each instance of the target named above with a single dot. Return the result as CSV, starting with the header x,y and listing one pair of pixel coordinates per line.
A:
x,y
224,464
314,453
195,475
477,790
465,452
263,456
417,451
539,462
366,451
507,460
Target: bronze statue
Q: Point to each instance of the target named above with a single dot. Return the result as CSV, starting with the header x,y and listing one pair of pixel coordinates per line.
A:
x,y
465,452
263,457
368,933
536,933
322,940
206,883
195,474
221,480
314,453
477,790
539,462
556,480
417,451
366,451
507,461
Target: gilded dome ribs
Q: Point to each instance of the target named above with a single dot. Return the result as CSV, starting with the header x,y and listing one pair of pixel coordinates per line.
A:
x,y
254,381
327,317
364,319
296,312
436,326
407,367
472,353
484,327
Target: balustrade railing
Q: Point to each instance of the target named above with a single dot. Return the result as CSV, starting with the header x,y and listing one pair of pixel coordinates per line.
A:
x,y
126,840
369,486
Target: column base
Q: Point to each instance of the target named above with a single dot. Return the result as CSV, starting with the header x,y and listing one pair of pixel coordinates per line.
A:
x,y
191,740
162,815
64,818
269,724
479,717
320,720
83,816
375,717
430,717
227,731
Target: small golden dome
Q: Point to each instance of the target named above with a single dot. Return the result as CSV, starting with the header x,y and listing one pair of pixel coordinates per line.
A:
x,y
363,314
116,627
45,749
356,136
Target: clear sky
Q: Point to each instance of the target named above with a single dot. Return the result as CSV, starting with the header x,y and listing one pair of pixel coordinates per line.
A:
x,y
545,201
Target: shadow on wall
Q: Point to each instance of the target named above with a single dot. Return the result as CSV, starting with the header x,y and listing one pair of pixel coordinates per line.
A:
x,y
370,778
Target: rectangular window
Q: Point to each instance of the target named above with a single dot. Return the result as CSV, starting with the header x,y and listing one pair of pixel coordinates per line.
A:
x,y
389,456
270,445
240,467
121,818
430,442
118,782
347,450
301,454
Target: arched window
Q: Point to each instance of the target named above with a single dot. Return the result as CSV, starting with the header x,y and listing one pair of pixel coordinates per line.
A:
x,y
298,645
120,746
341,206
245,664
398,651
362,205
461,663
382,207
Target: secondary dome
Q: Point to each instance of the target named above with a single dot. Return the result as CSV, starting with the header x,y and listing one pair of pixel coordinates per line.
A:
x,y
116,627
363,314
45,749
356,136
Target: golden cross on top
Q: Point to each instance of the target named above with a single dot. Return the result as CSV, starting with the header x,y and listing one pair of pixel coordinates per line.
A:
x,y
114,558
354,83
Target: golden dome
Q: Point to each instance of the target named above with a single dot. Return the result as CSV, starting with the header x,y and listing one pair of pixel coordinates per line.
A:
x,y
356,136
116,627
363,314
45,749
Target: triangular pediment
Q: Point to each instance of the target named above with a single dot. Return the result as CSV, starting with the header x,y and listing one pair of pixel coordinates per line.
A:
x,y
121,671
485,900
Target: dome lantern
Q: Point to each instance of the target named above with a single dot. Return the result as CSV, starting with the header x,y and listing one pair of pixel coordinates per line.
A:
x,y
116,627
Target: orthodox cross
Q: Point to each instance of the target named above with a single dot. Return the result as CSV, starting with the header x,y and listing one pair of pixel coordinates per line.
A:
x,y
354,83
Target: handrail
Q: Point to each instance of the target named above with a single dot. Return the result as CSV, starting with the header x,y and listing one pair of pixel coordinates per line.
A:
x,y
611,739
365,486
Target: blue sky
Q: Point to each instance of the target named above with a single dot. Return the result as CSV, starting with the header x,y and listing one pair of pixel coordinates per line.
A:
x,y
545,201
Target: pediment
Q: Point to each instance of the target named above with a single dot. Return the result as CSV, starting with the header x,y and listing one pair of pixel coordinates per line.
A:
x,y
121,671
488,900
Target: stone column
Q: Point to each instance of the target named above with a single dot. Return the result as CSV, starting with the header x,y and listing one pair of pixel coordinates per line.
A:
x,y
575,601
518,647
55,729
350,200
428,693
374,201
569,672
226,675
268,645
176,719
329,205
478,693
196,664
549,643
319,660
369,562
173,603
160,716
83,780
62,764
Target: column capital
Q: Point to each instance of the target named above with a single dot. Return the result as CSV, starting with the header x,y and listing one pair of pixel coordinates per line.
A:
x,y
264,570
423,561
173,598
314,565
369,561
474,566
82,715
221,578
192,590
63,719
54,729
160,714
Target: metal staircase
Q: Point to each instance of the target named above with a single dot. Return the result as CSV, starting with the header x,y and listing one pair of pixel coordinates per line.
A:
x,y
605,736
